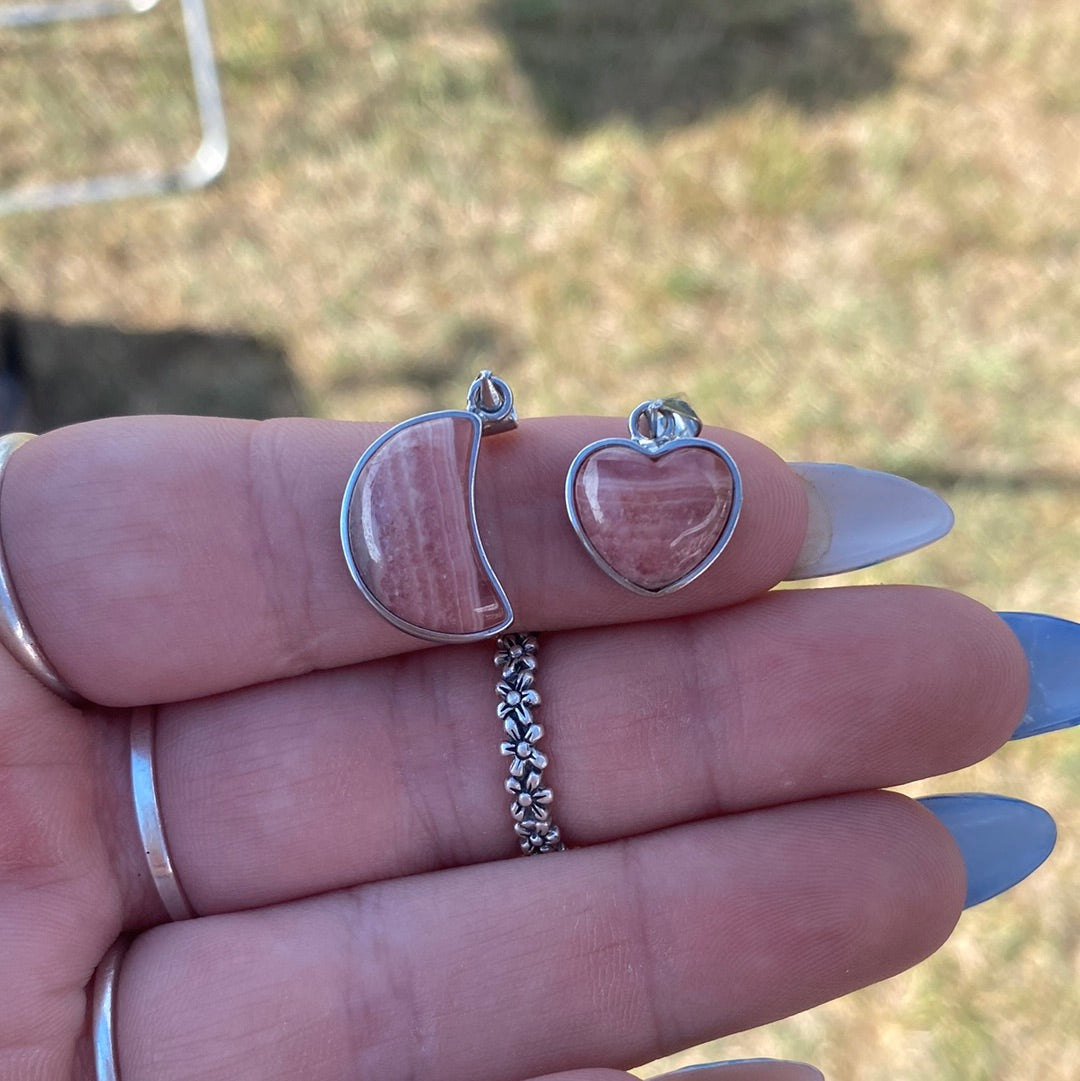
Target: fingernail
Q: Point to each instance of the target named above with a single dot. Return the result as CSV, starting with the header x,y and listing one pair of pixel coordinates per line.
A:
x,y
1052,646
749,1069
859,517
1002,840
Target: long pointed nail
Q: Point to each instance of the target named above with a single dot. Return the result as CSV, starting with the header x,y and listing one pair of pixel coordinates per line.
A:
x,y
748,1069
859,517
1002,840
1052,646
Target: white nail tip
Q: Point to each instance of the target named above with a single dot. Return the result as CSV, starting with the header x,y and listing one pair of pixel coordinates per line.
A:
x,y
860,517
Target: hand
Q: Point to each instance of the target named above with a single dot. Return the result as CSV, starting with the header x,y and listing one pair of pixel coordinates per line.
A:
x,y
333,790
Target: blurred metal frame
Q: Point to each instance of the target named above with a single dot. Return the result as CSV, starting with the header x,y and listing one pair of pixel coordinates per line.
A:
x,y
208,160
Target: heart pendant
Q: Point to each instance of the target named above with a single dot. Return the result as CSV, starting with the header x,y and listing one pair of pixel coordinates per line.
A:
x,y
654,511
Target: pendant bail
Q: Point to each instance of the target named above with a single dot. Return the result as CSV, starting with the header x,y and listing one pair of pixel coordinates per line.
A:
x,y
660,421
492,400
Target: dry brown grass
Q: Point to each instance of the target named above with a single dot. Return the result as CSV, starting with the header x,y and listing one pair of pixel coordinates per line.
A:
x,y
849,228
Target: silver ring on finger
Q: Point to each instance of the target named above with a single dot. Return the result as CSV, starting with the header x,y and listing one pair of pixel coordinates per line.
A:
x,y
15,632
103,1013
530,802
148,815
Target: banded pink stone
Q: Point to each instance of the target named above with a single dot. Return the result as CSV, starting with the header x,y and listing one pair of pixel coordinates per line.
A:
x,y
411,532
653,519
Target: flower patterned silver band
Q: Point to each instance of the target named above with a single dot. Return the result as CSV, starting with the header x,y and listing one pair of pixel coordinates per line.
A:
x,y
531,798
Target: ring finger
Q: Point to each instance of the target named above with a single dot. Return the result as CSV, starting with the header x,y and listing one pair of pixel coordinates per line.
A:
x,y
393,768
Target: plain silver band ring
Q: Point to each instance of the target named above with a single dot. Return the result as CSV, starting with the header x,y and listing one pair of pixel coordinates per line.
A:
x,y
103,1017
148,815
14,630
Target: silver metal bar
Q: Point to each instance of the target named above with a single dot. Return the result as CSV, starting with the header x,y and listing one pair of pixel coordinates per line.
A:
x,y
60,11
209,159
204,166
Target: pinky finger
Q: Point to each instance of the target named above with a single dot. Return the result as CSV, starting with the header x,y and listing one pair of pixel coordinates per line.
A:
x,y
758,1069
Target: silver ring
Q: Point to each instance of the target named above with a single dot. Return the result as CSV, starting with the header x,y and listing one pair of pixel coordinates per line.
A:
x,y
530,804
14,631
148,815
103,1016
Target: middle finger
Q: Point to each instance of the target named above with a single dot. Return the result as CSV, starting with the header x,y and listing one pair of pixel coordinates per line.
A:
x,y
393,767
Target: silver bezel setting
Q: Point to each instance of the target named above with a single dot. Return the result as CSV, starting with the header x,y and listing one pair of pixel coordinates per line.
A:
x,y
496,418
654,448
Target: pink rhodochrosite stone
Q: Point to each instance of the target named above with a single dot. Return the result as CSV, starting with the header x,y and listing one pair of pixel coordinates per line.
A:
x,y
410,530
653,519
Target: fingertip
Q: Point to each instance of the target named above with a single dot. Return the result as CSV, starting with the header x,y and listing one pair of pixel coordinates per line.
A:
x,y
921,879
995,692
972,685
757,1069
776,506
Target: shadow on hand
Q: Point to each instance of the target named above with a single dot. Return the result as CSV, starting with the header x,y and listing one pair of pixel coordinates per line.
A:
x,y
663,63
63,373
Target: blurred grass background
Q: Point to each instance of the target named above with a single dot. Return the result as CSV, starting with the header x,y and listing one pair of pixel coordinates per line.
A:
x,y
849,228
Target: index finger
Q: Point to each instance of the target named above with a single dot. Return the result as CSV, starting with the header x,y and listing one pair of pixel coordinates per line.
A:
x,y
166,558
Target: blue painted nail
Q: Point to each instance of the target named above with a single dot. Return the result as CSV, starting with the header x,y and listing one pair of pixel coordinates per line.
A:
x,y
1002,840
749,1068
1052,646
